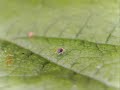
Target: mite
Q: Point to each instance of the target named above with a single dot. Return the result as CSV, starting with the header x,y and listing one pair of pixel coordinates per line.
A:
x,y
30,34
60,51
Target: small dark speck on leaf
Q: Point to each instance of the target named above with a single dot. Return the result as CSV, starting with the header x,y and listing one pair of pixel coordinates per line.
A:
x,y
60,51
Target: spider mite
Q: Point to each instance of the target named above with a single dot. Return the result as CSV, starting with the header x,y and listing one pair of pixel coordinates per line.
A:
x,y
30,34
9,60
60,50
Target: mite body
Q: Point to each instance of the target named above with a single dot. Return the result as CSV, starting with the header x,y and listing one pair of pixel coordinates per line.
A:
x,y
30,34
60,50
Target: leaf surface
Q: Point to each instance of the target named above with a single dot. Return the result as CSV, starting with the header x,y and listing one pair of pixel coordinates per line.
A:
x,y
88,30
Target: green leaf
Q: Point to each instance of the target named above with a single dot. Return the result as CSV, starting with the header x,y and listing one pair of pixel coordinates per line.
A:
x,y
30,71
88,30
92,20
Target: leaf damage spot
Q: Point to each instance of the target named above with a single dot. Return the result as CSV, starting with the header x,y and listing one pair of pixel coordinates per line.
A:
x,y
9,60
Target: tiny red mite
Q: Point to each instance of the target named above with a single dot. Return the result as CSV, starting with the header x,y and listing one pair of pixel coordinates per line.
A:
x,y
60,51
30,34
